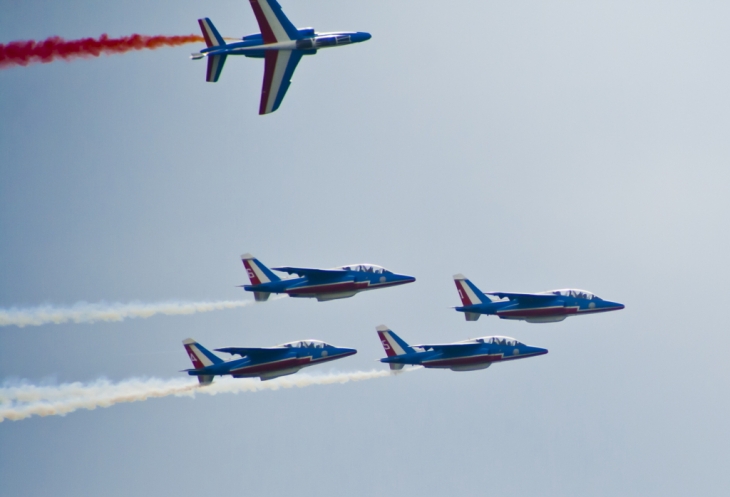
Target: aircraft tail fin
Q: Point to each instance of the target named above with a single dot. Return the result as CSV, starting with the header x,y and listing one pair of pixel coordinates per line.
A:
x,y
392,343
211,35
257,272
469,293
199,355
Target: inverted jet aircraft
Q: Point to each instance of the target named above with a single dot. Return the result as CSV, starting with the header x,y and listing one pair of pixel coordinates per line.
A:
x,y
265,363
323,284
468,355
280,44
544,307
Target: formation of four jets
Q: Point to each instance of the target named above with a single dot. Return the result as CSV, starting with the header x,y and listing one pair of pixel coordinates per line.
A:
x,y
345,281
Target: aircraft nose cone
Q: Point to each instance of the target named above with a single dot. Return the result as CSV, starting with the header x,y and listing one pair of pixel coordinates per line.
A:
x,y
347,352
539,351
360,36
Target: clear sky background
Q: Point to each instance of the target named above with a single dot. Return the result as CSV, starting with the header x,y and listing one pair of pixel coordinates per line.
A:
x,y
530,145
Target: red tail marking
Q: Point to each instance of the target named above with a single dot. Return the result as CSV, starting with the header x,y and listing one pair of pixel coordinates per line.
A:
x,y
462,292
386,345
196,362
251,273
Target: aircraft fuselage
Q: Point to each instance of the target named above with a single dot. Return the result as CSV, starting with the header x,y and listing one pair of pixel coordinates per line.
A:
x,y
254,46
554,311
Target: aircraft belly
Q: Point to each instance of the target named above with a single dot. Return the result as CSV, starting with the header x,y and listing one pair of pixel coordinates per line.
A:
x,y
267,367
450,362
313,290
536,313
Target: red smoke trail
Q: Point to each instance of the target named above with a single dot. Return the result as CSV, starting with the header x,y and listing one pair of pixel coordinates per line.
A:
x,y
22,53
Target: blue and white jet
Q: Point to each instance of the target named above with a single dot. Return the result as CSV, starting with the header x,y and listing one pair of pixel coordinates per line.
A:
x,y
323,284
468,355
280,44
265,363
544,307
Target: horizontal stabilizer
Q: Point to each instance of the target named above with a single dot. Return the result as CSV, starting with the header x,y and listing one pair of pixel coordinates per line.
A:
x,y
471,316
215,67
395,366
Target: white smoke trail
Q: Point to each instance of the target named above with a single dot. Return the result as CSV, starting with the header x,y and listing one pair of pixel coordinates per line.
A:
x,y
23,400
84,312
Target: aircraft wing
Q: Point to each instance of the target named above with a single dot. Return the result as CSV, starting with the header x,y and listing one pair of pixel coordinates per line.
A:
x,y
312,273
450,347
534,298
273,23
262,353
279,67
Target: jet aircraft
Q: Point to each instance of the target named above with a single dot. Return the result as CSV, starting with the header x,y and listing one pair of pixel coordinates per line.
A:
x,y
265,363
280,44
323,284
467,355
544,307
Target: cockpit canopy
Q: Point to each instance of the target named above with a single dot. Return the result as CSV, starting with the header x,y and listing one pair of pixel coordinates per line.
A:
x,y
497,340
365,268
305,344
572,292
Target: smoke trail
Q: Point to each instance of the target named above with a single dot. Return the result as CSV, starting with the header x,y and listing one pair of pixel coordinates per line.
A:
x,y
23,400
83,312
22,53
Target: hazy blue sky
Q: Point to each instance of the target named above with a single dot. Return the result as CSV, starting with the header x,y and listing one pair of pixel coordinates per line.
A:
x,y
529,145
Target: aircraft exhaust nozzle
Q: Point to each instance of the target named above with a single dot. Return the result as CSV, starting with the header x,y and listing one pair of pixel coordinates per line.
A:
x,y
196,56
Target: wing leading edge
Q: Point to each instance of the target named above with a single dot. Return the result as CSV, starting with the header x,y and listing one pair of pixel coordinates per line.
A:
x,y
256,353
278,70
525,297
312,273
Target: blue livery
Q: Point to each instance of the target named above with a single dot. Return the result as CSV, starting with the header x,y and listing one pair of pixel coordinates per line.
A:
x,y
280,44
323,284
265,363
544,307
468,355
